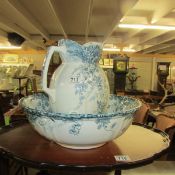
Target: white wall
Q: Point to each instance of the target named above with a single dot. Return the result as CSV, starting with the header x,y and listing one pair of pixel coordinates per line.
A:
x,y
37,59
147,69
144,70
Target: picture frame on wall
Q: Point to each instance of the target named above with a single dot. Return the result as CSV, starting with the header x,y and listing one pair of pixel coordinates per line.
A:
x,y
10,58
101,61
106,61
111,62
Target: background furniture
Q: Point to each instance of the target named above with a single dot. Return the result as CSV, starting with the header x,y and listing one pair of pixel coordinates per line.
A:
x,y
19,78
2,122
14,114
120,68
162,73
167,124
142,114
6,98
133,149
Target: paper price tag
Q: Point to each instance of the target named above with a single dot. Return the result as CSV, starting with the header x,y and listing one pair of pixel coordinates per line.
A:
x,y
122,158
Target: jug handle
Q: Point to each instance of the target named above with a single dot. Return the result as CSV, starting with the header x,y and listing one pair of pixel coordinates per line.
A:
x,y
49,91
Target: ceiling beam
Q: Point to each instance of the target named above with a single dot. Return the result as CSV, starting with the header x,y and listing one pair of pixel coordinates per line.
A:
x,y
172,52
79,38
131,34
18,30
123,7
58,22
156,48
163,8
147,37
3,33
27,15
165,38
88,18
168,49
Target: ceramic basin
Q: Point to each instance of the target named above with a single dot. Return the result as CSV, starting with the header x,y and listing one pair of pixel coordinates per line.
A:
x,y
80,131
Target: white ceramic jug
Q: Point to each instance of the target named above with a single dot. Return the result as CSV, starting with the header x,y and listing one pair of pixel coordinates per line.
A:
x,y
79,85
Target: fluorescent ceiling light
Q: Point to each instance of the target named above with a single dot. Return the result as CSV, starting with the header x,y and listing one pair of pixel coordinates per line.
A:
x,y
10,47
111,49
142,26
118,50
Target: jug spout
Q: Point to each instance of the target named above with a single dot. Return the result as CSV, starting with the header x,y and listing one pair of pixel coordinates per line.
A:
x,y
72,51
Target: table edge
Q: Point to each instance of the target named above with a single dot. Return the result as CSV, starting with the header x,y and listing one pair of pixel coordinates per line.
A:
x,y
47,165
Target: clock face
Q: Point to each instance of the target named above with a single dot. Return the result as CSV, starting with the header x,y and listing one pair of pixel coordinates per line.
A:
x,y
163,69
121,66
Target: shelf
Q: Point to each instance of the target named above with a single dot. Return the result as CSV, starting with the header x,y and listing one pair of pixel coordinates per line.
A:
x,y
106,66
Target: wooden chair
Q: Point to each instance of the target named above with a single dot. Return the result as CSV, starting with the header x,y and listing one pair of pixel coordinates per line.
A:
x,y
165,123
14,167
14,114
31,83
141,115
2,121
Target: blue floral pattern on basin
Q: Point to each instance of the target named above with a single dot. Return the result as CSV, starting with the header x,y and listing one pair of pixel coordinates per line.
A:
x,y
80,130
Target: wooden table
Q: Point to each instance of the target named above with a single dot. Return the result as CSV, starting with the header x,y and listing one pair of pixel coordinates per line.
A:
x,y
19,78
168,110
138,146
14,114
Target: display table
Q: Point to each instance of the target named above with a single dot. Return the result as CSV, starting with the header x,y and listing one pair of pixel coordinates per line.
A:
x,y
19,78
168,111
138,146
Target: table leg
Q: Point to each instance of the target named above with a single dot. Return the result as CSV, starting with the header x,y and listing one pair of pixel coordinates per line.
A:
x,y
118,172
4,166
19,85
43,172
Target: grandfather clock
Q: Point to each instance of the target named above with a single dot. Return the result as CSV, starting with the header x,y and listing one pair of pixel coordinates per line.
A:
x,y
120,68
162,73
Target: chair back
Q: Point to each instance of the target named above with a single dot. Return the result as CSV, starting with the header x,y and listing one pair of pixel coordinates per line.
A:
x,y
170,109
163,122
166,124
141,115
31,82
2,120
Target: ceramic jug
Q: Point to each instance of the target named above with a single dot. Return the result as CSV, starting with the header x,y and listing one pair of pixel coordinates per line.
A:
x,y
79,85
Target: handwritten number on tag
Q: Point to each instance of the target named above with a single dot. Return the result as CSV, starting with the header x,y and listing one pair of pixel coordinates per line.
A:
x,y
122,158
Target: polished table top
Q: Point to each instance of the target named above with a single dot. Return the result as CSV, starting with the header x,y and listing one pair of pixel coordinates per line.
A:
x,y
168,110
137,146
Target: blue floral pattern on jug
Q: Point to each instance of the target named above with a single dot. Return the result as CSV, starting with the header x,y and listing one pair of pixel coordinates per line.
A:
x,y
79,77
91,80
88,53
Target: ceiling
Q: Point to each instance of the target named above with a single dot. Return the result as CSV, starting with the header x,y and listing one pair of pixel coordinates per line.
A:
x,y
43,22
